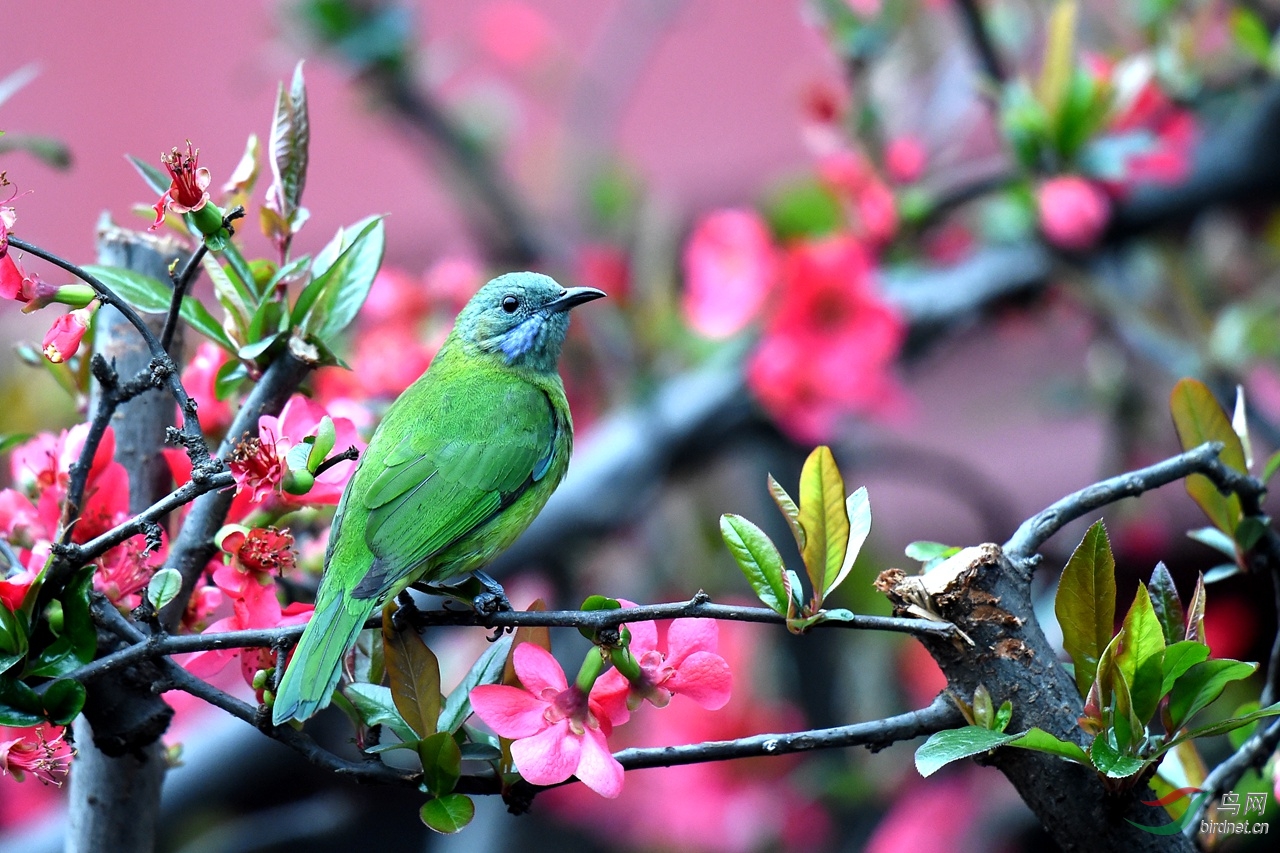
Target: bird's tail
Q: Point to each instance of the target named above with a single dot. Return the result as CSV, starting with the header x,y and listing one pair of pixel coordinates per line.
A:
x,y
310,678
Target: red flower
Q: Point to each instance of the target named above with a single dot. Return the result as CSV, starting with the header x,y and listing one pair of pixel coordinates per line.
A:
x,y
256,607
905,159
8,216
125,570
258,555
21,286
189,187
258,466
831,344
13,590
32,752
729,266
64,336
1073,212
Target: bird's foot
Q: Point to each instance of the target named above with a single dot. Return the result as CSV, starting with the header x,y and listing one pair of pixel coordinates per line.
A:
x,y
492,599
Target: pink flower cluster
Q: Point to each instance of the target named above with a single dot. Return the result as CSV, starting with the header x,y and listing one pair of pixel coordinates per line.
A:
x,y
40,751
17,284
560,730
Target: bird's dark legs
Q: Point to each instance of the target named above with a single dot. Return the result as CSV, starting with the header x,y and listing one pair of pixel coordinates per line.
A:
x,y
482,592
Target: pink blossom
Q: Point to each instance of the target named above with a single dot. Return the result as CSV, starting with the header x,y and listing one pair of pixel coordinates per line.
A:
x,y
64,336
878,212
514,33
675,657
8,217
189,187
717,807
21,286
905,159
1073,212
453,280
829,348
300,418
396,299
729,266
41,468
257,556
604,266
256,607
47,759
199,377
125,570
558,731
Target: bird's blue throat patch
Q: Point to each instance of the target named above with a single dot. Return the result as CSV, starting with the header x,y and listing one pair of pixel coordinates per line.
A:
x,y
516,343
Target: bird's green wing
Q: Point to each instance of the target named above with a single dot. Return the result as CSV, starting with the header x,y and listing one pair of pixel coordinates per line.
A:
x,y
450,471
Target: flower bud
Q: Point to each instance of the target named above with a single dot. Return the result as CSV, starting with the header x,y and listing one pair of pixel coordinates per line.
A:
x,y
66,333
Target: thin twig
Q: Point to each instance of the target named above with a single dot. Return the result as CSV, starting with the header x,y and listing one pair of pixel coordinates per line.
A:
x,y
698,607
976,29
181,283
350,454
1035,531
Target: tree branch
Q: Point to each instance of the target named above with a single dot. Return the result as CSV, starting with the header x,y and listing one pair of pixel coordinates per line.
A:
x,y
1035,531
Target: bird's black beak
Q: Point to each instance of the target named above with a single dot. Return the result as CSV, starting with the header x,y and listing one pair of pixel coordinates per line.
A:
x,y
572,296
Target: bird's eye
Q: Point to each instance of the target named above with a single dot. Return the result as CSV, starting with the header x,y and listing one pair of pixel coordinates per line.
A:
x,y
510,304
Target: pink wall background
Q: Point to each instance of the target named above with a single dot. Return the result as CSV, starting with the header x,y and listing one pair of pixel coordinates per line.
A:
x,y
713,115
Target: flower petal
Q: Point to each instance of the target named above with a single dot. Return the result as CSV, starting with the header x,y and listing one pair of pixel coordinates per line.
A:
x,y
705,678
686,636
597,768
548,757
610,694
538,670
509,711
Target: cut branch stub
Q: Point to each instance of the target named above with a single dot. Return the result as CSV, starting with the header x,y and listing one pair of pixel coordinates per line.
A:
x,y
980,592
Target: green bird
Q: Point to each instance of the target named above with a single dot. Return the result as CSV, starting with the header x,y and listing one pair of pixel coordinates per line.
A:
x,y
461,464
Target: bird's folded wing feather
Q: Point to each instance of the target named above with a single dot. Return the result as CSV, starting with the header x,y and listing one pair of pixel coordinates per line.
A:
x,y
459,465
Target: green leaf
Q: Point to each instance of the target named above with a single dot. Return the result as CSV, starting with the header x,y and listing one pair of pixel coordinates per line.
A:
x,y
288,147
824,519
377,707
1167,604
141,291
1251,35
927,552
1042,741
1198,419
1273,465
326,436
1104,756
858,511
20,706
414,673
1140,655
198,317
1221,572
1178,658
1215,539
448,814
47,149
77,640
1240,426
487,670
1195,613
13,638
163,587
1224,726
790,511
1086,603
758,558
441,762
1201,684
156,178
63,700
950,745
231,292
1059,58
342,275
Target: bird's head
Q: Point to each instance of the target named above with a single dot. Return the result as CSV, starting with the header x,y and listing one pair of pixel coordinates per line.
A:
x,y
523,316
